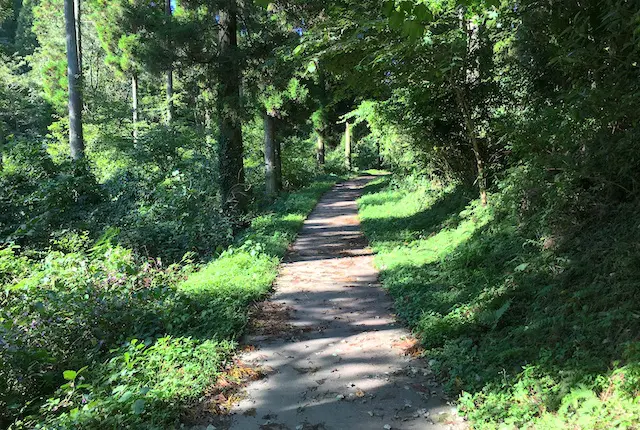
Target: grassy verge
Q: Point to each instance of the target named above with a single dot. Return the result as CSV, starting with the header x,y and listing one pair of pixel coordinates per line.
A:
x,y
130,343
529,329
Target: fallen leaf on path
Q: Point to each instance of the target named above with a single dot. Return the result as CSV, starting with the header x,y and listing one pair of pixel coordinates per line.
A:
x,y
410,347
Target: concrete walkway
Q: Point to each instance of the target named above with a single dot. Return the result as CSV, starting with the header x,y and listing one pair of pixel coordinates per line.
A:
x,y
335,356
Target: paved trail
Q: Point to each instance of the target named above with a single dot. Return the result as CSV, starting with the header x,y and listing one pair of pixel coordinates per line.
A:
x,y
337,356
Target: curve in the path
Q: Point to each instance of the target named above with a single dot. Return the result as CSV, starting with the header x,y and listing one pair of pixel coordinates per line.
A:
x,y
338,358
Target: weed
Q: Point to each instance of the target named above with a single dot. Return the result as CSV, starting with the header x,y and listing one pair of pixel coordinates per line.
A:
x,y
527,333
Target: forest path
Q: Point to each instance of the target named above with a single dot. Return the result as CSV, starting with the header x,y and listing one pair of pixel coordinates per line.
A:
x,y
334,354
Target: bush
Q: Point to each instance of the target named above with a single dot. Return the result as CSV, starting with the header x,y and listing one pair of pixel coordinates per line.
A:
x,y
510,303
123,340
298,163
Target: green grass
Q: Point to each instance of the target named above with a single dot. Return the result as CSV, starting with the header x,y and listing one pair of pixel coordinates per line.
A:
x,y
527,331
129,344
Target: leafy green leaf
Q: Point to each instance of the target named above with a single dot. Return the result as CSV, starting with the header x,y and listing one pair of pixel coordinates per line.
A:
x,y
498,314
413,29
396,19
406,6
311,67
298,49
138,406
69,375
388,7
422,13
263,3
126,396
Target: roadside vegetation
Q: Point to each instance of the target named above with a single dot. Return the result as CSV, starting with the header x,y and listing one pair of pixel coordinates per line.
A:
x,y
526,331
120,340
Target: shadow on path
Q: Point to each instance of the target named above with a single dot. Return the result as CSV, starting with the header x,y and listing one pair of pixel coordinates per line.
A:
x,y
339,359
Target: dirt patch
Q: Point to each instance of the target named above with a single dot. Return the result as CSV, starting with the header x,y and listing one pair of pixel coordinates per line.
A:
x,y
269,318
221,396
409,347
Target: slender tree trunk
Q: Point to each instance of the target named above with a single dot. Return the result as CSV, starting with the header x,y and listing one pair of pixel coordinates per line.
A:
x,y
76,139
77,13
170,108
347,145
134,106
2,143
471,133
471,77
231,150
278,166
207,123
379,155
321,126
270,155
320,148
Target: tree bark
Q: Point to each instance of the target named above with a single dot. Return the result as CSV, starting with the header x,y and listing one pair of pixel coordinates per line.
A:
x,y
74,76
134,106
2,143
77,14
347,145
471,133
321,126
278,166
471,77
170,108
232,186
320,148
271,182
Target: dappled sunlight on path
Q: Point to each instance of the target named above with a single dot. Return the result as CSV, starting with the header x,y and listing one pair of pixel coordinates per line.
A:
x,y
335,356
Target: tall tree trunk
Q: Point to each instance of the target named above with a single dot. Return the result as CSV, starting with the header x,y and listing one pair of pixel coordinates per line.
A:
x,y
207,124
321,125
170,108
347,145
134,106
270,155
2,143
471,133
278,166
320,148
471,78
77,11
232,180
76,139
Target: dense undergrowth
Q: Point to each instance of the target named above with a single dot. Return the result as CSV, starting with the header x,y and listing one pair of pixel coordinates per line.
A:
x,y
95,335
530,329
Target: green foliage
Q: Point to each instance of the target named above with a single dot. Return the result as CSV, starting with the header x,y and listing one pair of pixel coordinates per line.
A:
x,y
514,319
84,306
527,306
298,163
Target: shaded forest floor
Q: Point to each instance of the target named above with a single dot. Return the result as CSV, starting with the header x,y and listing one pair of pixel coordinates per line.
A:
x,y
529,330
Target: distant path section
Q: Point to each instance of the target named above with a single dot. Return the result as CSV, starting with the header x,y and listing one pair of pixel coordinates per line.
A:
x,y
334,354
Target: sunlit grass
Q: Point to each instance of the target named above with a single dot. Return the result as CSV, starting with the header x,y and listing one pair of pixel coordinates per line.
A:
x,y
524,333
169,336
